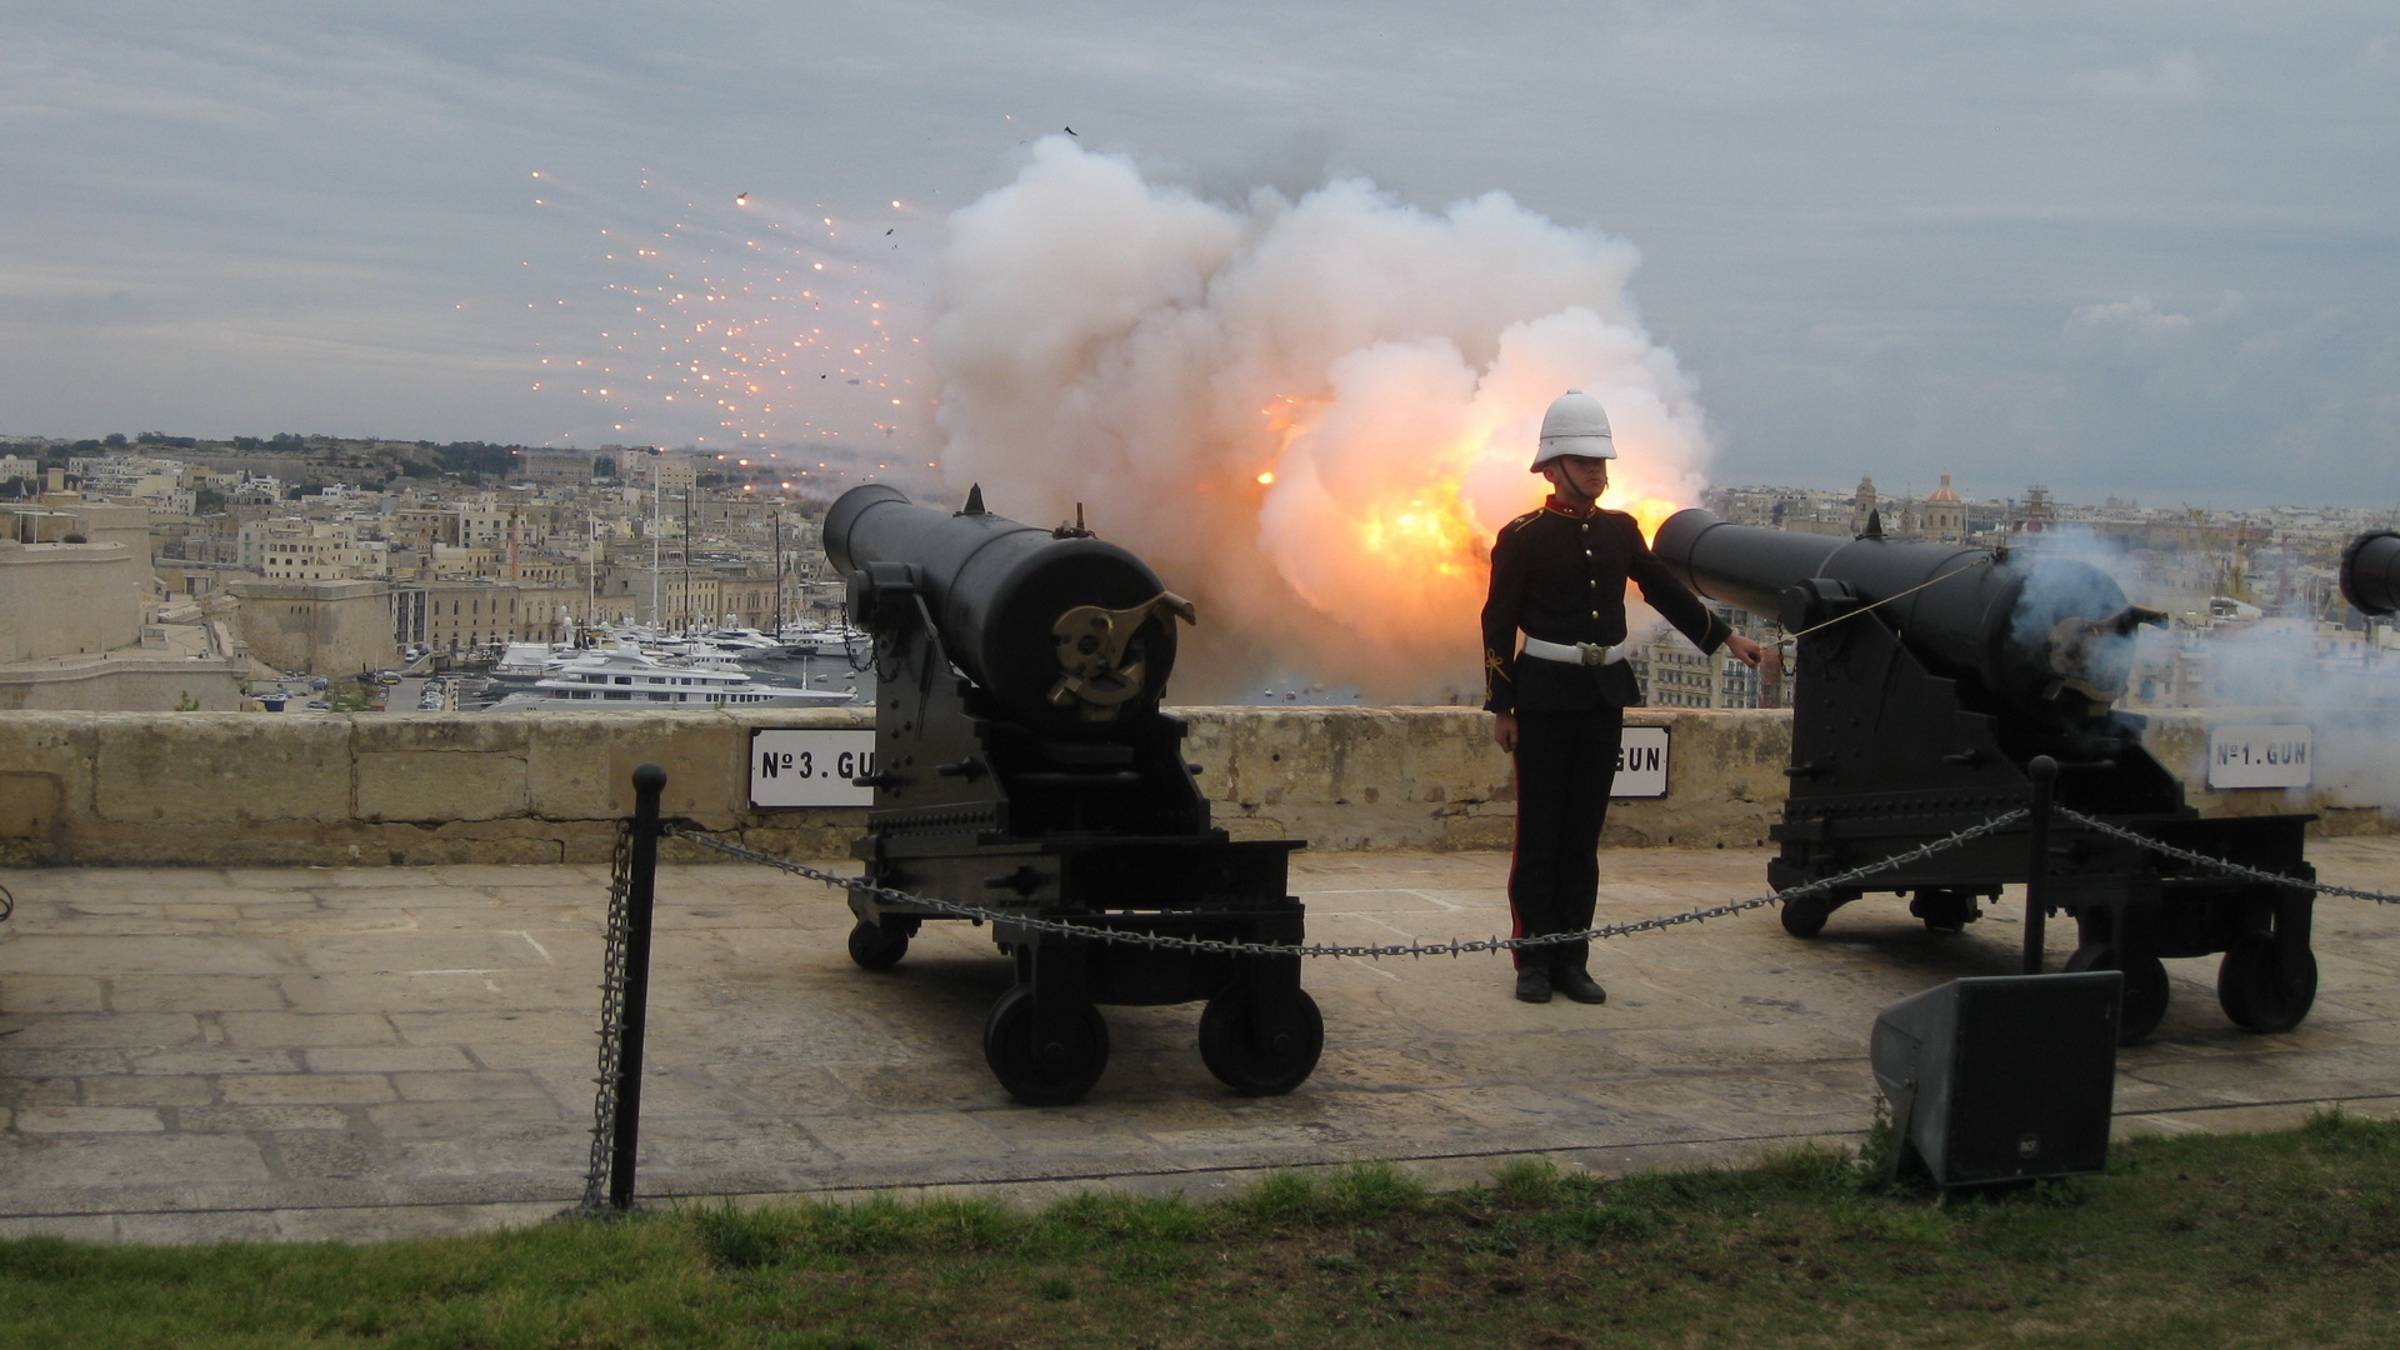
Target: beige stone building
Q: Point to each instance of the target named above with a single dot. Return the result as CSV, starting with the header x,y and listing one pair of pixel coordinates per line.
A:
x,y
1945,516
73,636
69,599
317,627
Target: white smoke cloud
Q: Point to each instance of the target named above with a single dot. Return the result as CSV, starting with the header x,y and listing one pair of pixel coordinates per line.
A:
x,y
1104,339
2271,670
2176,77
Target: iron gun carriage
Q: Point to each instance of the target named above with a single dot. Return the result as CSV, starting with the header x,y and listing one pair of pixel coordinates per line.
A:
x,y
1928,680
1023,765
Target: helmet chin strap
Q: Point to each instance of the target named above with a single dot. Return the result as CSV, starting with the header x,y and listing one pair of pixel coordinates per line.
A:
x,y
1563,482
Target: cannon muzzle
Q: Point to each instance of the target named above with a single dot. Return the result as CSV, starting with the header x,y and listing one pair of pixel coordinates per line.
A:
x,y
1064,631
2044,634
2371,572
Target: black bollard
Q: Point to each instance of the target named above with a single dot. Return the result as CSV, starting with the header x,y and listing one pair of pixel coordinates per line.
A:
x,y
649,785
2044,772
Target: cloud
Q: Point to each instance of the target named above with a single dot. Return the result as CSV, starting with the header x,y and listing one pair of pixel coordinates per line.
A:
x,y
2173,78
2135,322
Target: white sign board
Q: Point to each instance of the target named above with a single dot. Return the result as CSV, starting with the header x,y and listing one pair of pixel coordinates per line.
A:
x,y
810,768
1642,764
2261,755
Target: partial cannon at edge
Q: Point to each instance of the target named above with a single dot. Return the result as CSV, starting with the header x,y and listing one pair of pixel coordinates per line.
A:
x,y
1928,679
2371,573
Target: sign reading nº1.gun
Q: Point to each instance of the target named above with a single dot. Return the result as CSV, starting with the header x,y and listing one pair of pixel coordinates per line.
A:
x,y
811,768
2261,755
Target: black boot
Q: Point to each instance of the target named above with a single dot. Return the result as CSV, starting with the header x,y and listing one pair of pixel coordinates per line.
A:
x,y
1578,984
1533,985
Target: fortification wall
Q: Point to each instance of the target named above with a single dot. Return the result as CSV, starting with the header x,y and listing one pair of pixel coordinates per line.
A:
x,y
317,627
233,789
69,599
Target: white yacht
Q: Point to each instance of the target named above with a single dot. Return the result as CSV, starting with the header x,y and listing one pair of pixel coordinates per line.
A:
x,y
525,662
623,679
837,640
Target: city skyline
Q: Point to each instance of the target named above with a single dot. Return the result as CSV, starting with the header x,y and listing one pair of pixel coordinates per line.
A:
x,y
2119,254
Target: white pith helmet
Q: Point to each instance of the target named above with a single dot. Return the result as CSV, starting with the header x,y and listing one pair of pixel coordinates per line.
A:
x,y
1575,425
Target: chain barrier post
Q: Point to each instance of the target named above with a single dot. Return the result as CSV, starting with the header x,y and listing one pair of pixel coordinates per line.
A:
x,y
649,786
2044,771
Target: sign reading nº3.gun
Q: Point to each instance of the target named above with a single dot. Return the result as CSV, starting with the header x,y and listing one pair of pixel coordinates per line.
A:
x,y
811,768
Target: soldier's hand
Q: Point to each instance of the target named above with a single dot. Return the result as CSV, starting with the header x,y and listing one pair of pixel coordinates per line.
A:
x,y
1504,732
1743,649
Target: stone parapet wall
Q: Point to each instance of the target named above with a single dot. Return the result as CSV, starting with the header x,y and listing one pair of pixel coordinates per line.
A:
x,y
399,788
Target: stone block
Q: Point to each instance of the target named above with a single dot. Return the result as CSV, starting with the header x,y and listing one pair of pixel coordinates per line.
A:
x,y
219,769
272,1118
87,1120
292,1089
194,993
442,769
264,1029
130,1031
49,994
581,765
147,1089
46,782
388,1059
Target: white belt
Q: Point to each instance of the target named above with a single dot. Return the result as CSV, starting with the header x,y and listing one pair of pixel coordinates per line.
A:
x,y
1575,653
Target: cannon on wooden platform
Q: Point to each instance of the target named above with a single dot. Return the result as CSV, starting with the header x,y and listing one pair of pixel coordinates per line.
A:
x,y
1929,678
1023,765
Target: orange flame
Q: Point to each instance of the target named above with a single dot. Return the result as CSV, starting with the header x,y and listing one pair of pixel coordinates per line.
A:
x,y
1647,512
1431,532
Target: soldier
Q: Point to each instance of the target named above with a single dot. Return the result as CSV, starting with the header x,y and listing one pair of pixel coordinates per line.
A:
x,y
1558,575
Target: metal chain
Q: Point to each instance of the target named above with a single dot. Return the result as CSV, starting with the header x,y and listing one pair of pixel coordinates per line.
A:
x,y
612,1021
2219,864
1454,947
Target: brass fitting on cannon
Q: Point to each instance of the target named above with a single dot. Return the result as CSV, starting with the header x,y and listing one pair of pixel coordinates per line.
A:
x,y
1091,643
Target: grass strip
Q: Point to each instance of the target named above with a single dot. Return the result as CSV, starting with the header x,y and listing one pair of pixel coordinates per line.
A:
x,y
2197,1240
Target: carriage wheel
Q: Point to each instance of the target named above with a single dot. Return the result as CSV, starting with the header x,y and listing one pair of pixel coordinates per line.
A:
x,y
2145,1001
2255,992
1255,1065
1038,1073
876,948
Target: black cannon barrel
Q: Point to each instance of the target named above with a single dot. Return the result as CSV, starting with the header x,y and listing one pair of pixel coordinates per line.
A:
x,y
997,589
2020,629
2371,572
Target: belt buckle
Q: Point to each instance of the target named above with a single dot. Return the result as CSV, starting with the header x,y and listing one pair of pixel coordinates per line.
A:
x,y
1593,653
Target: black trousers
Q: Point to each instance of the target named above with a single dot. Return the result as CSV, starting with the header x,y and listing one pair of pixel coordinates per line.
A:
x,y
1566,763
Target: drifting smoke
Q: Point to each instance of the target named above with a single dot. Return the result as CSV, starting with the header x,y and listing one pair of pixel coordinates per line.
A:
x,y
1309,415
2279,669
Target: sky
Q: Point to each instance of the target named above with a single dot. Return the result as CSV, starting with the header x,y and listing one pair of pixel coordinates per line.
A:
x,y
2144,249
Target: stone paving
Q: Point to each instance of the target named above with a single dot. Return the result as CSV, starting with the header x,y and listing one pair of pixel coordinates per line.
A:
x,y
193,1054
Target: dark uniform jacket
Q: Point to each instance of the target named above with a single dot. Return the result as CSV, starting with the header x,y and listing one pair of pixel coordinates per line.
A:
x,y
1559,574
